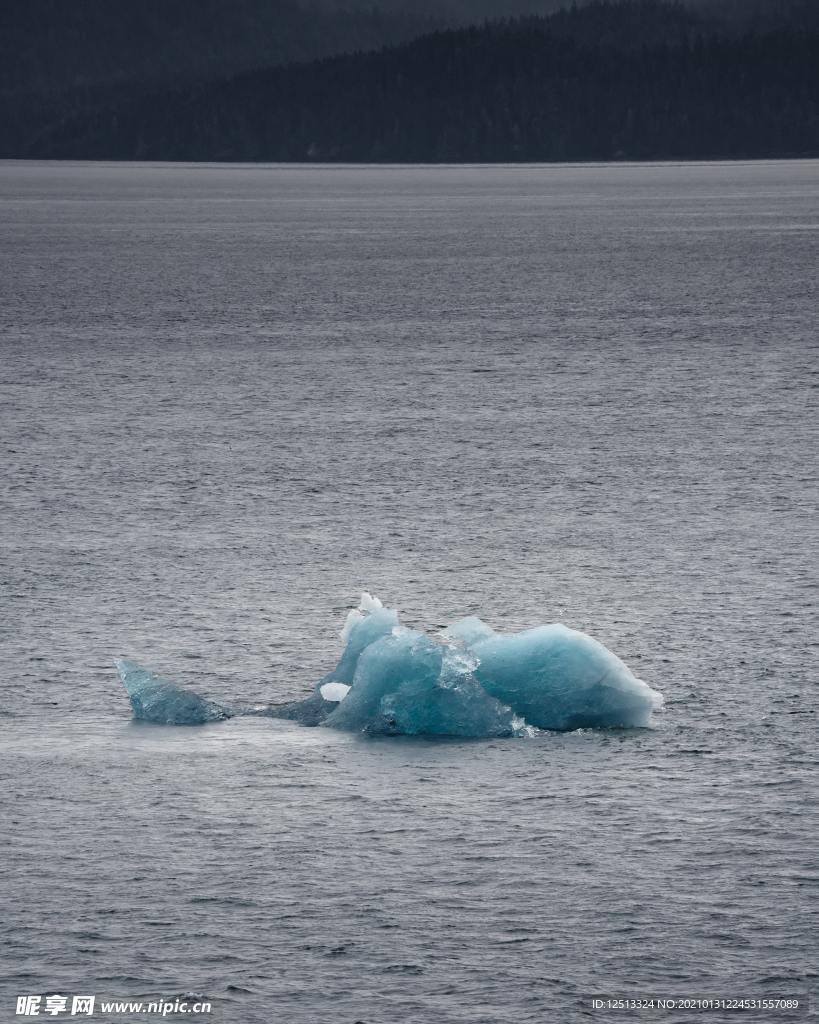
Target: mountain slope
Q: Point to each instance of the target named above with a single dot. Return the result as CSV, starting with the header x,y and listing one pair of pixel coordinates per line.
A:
x,y
49,45
58,57
639,82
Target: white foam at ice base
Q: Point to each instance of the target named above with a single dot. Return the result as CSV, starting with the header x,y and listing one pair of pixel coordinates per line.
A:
x,y
334,691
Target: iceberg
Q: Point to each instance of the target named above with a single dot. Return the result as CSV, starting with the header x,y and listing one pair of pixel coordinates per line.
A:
x,y
157,700
468,681
472,681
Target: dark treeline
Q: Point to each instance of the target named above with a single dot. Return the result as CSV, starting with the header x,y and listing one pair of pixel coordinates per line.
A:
x,y
636,81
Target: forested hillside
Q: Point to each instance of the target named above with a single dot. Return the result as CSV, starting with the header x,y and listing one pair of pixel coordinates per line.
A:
x,y
606,81
46,45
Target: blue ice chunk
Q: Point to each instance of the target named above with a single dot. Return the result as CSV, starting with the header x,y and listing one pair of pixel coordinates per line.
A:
x,y
468,631
403,657
559,678
157,700
364,625
409,684
456,705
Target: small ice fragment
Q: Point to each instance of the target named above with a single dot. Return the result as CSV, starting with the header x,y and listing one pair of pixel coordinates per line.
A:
x,y
334,691
157,700
366,606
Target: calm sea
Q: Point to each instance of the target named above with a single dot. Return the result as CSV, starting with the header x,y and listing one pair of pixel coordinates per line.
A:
x,y
234,397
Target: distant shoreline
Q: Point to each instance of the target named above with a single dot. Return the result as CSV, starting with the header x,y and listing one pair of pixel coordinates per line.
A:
x,y
397,165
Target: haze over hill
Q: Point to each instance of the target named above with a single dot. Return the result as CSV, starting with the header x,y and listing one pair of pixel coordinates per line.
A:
x,y
57,44
52,45
199,79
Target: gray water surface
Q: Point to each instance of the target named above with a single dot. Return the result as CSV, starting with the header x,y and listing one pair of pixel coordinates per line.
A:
x,y
232,398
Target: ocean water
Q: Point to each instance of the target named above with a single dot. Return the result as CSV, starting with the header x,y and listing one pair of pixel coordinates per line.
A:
x,y
234,397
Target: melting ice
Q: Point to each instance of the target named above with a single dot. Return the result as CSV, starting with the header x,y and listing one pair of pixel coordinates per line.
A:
x,y
466,681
